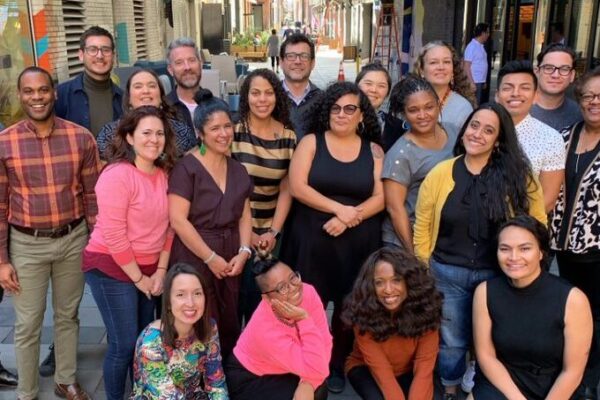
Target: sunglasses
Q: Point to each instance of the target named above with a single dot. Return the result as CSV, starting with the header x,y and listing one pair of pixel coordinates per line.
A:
x,y
349,109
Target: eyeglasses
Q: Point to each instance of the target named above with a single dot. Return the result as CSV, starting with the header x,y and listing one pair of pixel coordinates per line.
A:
x,y
295,56
349,109
549,69
589,97
93,50
284,287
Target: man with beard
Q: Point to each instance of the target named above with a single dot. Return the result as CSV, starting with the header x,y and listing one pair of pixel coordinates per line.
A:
x,y
185,66
48,170
297,55
91,99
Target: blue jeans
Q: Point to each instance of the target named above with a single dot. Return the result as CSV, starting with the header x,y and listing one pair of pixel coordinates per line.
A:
x,y
126,312
457,285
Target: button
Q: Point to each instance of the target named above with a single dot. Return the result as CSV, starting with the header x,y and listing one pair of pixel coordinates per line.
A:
x,y
474,244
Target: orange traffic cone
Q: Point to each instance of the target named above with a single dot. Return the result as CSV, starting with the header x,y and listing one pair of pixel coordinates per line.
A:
x,y
341,76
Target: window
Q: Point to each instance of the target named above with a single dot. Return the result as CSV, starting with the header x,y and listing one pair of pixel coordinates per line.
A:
x,y
74,22
140,29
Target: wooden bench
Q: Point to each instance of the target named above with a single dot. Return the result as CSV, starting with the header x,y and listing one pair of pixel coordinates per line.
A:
x,y
254,55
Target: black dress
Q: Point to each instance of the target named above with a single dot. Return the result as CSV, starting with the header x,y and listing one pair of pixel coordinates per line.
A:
x,y
528,334
330,263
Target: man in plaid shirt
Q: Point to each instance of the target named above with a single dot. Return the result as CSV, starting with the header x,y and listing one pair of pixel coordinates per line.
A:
x,y
48,170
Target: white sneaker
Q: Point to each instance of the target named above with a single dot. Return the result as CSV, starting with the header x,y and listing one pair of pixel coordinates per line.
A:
x,y
468,378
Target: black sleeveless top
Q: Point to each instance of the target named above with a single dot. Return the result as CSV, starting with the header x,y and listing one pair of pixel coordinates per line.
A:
x,y
528,330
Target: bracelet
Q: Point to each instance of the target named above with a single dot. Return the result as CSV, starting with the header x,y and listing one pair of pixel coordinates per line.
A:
x,y
139,280
210,258
246,249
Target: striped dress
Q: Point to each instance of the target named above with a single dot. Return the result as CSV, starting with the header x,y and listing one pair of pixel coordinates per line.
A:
x,y
267,163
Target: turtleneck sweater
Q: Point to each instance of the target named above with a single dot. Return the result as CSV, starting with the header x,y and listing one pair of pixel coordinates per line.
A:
x,y
100,96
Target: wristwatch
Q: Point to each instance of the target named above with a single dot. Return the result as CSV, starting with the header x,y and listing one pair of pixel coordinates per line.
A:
x,y
246,249
276,234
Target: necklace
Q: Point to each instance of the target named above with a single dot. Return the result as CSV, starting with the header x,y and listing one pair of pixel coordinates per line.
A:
x,y
445,98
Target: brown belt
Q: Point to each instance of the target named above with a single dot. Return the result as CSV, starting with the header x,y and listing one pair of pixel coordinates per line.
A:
x,y
50,233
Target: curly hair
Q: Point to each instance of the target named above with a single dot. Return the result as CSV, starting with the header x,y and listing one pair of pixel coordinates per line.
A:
x,y
461,84
120,150
320,111
281,112
508,172
581,82
420,312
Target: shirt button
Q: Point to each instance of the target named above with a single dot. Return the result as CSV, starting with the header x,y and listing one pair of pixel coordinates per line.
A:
x,y
474,244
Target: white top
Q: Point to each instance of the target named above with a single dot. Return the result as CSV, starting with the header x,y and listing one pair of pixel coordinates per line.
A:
x,y
475,53
191,107
543,145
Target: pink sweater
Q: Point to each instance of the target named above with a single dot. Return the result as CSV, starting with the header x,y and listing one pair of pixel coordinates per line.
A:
x,y
269,347
133,216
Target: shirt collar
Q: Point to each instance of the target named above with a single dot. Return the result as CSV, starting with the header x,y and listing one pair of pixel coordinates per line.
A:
x,y
295,99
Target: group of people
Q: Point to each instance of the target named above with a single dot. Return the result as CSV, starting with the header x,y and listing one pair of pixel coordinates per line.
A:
x,y
424,225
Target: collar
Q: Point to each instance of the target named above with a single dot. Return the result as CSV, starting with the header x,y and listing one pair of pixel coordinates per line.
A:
x,y
33,129
525,122
78,85
295,99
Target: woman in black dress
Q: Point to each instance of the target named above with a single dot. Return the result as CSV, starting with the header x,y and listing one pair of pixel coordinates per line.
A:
x,y
335,222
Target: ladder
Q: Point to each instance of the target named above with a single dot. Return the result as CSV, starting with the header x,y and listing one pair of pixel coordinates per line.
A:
x,y
387,47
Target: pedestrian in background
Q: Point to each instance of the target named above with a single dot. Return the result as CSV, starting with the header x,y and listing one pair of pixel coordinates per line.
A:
x,y
273,49
475,61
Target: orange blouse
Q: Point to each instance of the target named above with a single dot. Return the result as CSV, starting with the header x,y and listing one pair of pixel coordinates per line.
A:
x,y
394,357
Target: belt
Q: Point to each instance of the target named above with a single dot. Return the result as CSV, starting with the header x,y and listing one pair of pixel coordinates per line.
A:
x,y
50,233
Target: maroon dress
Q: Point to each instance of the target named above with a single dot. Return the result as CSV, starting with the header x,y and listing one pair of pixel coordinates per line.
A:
x,y
216,216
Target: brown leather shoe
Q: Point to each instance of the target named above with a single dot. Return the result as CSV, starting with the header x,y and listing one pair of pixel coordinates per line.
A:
x,y
70,392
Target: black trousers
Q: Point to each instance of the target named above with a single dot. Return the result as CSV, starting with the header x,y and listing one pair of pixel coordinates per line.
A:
x,y
244,385
366,387
273,59
584,273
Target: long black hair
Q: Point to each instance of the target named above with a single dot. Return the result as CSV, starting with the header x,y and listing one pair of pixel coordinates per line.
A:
x,y
420,312
507,175
320,111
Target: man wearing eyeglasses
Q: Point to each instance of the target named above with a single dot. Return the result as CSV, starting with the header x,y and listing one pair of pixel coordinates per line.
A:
x,y
91,99
555,73
542,144
297,55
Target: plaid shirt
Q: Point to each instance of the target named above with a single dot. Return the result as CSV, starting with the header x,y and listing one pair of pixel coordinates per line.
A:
x,y
46,183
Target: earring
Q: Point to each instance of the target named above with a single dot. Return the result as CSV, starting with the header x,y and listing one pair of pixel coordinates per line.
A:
x,y
452,81
361,127
202,149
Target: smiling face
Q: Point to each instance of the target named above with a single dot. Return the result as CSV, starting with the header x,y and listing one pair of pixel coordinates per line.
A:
x,y
343,122
516,94
390,288
481,134
37,96
144,90
147,140
217,133
297,70
97,66
591,109
421,111
375,85
185,67
437,66
261,98
555,83
519,255
187,301
280,276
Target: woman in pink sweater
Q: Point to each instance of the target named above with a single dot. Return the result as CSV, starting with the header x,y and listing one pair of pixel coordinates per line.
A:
x,y
126,258
284,352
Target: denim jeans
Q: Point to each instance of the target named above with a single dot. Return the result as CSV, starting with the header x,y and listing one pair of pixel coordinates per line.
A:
x,y
457,285
126,312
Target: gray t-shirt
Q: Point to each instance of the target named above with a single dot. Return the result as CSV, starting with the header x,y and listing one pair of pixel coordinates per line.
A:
x,y
560,118
408,164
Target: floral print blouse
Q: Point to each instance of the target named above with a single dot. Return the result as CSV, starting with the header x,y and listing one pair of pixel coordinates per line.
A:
x,y
191,370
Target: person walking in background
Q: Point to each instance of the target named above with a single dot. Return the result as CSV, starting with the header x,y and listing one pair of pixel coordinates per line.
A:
x,y
91,99
575,219
461,204
126,258
542,144
335,223
48,170
374,80
555,72
439,64
395,312
476,60
264,145
409,161
143,88
297,56
209,209
273,49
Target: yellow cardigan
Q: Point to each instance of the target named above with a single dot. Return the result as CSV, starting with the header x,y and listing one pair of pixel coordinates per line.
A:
x,y
433,194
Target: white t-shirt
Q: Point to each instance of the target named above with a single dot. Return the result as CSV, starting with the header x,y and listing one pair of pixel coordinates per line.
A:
x,y
191,107
475,53
543,145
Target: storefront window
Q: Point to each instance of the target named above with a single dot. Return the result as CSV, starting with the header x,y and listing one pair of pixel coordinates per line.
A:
x,y
540,28
16,53
596,56
579,32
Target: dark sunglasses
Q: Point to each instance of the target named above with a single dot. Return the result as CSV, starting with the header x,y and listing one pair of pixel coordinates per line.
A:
x,y
349,109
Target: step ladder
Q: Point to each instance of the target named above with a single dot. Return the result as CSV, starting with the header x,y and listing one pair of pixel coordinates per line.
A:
x,y
386,48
